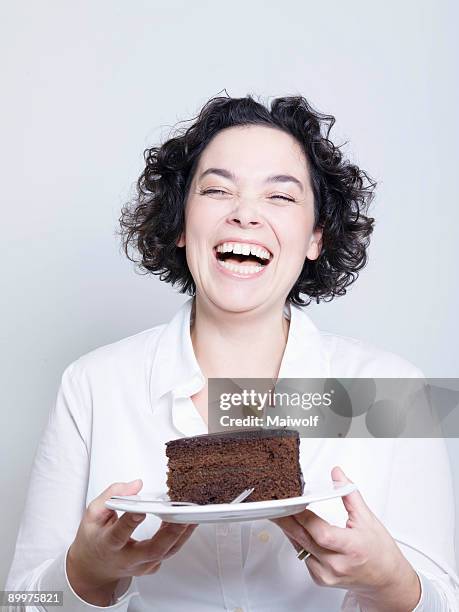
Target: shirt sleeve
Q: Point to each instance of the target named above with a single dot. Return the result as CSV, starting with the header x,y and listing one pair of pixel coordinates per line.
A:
x,y
432,599
420,517
55,503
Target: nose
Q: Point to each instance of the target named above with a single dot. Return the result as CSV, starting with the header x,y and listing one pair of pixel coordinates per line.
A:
x,y
245,215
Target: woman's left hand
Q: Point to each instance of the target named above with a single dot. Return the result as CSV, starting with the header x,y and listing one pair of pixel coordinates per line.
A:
x,y
362,557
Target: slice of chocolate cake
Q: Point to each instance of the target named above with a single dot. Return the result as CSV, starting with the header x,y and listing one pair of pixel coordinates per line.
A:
x,y
215,468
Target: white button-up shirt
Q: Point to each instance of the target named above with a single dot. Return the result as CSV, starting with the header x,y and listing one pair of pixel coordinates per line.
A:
x,y
118,405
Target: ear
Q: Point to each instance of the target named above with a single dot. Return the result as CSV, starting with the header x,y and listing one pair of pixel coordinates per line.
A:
x,y
181,241
315,244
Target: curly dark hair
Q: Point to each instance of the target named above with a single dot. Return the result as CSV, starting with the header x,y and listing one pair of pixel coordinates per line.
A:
x,y
153,221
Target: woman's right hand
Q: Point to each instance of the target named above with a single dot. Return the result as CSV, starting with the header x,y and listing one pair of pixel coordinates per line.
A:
x,y
103,550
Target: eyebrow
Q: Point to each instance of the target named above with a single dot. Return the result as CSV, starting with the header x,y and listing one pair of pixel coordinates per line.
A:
x,y
274,178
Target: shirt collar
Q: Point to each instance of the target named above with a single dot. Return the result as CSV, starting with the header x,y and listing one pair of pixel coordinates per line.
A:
x,y
304,355
176,369
175,365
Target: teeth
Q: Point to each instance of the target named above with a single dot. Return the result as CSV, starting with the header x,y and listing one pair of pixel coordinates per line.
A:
x,y
239,248
259,252
240,269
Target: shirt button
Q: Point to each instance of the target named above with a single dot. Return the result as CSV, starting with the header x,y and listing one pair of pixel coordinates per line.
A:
x,y
238,610
263,536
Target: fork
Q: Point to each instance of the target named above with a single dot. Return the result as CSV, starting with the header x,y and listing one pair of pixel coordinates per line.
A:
x,y
137,498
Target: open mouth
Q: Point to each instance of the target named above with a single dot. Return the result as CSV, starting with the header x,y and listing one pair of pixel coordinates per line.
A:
x,y
242,257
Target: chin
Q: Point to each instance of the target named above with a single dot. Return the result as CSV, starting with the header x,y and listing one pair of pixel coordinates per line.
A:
x,y
238,301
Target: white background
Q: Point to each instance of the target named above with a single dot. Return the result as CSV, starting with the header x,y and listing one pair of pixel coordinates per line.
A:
x,y
86,86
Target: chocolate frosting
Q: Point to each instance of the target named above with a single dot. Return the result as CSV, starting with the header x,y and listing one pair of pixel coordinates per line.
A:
x,y
245,434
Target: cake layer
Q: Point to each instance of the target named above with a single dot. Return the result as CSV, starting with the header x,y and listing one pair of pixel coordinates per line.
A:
x,y
215,468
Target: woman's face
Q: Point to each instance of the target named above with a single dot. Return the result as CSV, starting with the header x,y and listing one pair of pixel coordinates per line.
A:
x,y
249,219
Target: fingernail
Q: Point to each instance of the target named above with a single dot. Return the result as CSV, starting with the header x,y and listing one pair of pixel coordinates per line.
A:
x,y
138,517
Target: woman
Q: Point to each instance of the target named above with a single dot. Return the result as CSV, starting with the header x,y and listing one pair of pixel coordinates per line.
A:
x,y
246,210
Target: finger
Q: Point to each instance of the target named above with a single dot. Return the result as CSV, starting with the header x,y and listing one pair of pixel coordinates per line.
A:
x,y
322,533
320,566
294,543
118,534
353,502
296,532
320,573
98,513
146,568
157,547
323,562
181,541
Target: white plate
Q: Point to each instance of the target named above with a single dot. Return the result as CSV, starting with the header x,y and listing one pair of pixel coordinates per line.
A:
x,y
245,511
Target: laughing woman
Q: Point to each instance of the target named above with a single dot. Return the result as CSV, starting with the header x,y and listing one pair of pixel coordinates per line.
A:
x,y
253,212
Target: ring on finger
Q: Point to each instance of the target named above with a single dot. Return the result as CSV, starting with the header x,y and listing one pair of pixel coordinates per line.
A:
x,y
303,554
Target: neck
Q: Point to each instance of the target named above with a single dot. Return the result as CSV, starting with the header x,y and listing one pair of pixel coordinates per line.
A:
x,y
241,344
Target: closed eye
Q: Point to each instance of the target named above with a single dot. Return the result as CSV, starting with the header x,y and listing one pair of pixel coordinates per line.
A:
x,y
220,191
213,191
283,198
